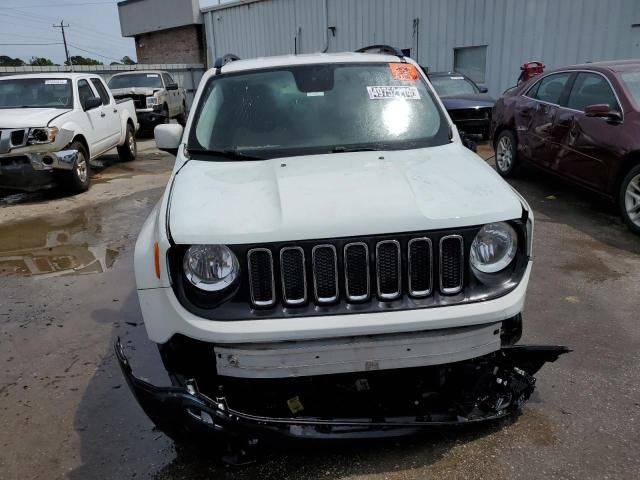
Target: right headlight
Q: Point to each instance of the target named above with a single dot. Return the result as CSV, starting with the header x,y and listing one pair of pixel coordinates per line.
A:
x,y
494,247
151,101
211,268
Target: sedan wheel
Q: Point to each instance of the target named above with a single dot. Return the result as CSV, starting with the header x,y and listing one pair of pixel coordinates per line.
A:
x,y
503,154
632,200
506,154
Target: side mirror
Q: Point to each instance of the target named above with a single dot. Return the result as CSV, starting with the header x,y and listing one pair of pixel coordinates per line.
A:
x,y
602,110
172,86
91,103
483,89
168,137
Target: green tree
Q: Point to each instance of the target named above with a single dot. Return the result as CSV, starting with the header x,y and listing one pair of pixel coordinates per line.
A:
x,y
41,62
6,61
80,60
126,60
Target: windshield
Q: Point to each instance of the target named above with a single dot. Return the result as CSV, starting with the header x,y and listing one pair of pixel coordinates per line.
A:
x,y
36,93
144,80
317,109
453,86
631,82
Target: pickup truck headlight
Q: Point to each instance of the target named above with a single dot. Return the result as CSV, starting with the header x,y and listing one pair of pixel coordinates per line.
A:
x,y
42,135
211,268
494,247
151,101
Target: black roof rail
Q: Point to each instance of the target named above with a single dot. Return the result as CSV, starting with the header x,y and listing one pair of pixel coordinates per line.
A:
x,y
222,61
382,49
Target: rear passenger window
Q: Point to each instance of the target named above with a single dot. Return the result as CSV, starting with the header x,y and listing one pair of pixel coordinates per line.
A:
x,y
104,96
550,88
591,89
84,92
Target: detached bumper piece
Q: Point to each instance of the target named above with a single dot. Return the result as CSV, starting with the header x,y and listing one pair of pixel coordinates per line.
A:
x,y
374,405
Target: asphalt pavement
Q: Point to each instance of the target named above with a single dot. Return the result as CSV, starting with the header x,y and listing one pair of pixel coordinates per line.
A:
x,y
67,291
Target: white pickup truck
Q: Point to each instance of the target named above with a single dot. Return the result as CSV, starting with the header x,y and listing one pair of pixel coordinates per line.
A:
x,y
53,124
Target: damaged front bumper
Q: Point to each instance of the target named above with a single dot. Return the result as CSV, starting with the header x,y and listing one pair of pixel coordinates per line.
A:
x,y
32,170
482,389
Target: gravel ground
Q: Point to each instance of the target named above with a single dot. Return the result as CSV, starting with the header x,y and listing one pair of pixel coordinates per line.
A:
x,y
67,284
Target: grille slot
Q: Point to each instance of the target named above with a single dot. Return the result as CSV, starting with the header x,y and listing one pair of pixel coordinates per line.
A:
x,y
388,269
451,264
356,271
293,275
420,266
325,273
261,280
18,138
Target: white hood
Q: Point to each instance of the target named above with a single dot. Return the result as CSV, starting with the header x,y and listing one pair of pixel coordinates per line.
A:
x,y
28,117
117,92
336,195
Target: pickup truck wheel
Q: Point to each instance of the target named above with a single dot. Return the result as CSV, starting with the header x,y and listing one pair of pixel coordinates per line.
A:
x,y
507,154
630,199
78,178
128,151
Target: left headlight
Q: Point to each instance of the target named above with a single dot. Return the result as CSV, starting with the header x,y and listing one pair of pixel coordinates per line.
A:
x,y
211,268
42,135
494,247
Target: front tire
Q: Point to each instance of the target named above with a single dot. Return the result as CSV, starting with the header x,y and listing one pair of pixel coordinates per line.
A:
x,y
78,179
506,147
128,151
629,199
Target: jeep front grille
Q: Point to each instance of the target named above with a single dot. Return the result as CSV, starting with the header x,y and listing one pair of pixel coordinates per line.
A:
x,y
451,256
327,273
261,278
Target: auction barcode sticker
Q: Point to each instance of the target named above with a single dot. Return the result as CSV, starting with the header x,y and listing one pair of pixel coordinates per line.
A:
x,y
380,92
55,82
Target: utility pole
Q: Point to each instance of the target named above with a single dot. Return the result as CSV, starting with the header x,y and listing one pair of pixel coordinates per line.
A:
x,y
62,26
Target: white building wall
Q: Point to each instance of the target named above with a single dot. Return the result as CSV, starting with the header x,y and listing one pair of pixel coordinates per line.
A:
x,y
558,32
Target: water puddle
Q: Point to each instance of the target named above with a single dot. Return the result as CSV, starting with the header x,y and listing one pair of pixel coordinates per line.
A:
x,y
42,248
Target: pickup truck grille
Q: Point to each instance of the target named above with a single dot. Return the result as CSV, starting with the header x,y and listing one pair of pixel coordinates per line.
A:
x,y
12,138
356,271
140,101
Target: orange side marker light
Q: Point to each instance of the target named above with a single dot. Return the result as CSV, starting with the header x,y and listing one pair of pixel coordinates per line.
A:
x,y
156,258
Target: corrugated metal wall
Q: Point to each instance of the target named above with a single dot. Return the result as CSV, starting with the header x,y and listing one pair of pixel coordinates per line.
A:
x,y
559,32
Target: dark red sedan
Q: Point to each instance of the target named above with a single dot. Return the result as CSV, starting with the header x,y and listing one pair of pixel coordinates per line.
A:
x,y
580,122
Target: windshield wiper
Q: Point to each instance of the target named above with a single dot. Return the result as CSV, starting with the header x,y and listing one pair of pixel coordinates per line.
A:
x,y
370,148
229,153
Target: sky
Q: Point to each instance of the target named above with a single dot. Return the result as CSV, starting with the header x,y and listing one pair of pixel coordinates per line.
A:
x,y
93,27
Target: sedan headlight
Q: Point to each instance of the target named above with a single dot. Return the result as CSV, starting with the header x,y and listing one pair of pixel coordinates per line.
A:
x,y
151,101
494,247
211,268
42,135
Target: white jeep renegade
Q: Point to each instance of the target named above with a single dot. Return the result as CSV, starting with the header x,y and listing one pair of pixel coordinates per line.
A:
x,y
328,259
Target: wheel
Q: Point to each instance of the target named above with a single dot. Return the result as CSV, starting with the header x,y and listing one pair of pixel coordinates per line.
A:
x,y
507,154
77,179
165,114
128,151
182,118
630,199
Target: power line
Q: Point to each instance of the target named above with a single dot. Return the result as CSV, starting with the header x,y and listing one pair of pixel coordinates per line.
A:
x,y
94,53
